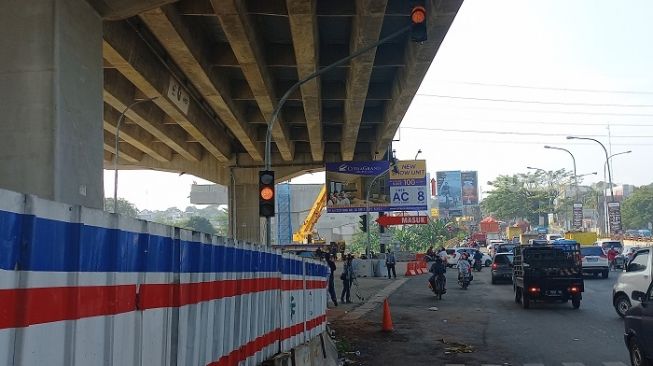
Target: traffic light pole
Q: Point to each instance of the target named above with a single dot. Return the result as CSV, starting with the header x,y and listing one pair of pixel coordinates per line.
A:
x,y
284,98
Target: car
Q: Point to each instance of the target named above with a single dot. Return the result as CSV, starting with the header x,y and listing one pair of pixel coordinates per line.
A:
x,y
636,278
638,325
502,267
595,261
552,237
607,244
454,254
492,244
504,248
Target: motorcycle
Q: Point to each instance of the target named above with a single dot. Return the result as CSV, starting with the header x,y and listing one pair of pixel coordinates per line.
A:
x,y
437,286
463,279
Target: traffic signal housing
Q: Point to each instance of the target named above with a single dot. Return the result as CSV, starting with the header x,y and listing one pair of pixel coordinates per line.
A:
x,y
266,193
363,223
418,21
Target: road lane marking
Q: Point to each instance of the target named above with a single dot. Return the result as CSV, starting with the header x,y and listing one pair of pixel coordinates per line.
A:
x,y
614,364
375,301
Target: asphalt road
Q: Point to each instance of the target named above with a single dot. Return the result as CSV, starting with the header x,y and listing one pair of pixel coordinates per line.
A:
x,y
486,318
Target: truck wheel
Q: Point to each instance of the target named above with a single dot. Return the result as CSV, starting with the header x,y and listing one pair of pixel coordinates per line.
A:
x,y
488,263
575,302
517,295
606,274
525,301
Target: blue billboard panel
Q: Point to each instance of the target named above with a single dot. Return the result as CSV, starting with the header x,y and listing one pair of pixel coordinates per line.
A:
x,y
449,190
355,186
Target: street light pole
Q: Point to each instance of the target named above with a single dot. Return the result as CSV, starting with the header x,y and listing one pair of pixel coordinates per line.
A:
x,y
605,204
418,152
117,154
368,247
573,159
284,98
607,160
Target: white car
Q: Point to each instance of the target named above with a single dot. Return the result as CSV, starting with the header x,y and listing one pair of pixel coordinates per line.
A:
x,y
595,261
636,278
455,253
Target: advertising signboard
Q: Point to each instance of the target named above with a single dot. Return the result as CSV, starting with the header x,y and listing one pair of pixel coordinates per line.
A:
x,y
408,186
578,216
469,188
614,217
450,202
348,183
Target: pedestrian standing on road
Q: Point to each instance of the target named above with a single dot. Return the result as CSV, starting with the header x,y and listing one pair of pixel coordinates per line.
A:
x,y
332,287
612,254
390,262
347,278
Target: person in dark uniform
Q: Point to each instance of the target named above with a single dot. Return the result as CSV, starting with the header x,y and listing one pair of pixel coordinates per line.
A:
x,y
332,287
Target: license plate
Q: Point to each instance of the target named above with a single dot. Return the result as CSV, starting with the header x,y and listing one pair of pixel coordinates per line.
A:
x,y
554,293
592,259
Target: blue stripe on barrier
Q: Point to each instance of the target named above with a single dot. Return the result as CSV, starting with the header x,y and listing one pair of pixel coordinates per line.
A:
x,y
30,243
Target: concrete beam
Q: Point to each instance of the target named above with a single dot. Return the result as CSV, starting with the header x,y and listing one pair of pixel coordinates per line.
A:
x,y
135,135
119,93
121,9
366,29
303,26
418,59
208,168
127,152
131,55
247,47
190,50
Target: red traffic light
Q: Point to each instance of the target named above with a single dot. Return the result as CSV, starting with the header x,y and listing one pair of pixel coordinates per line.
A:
x,y
418,15
267,193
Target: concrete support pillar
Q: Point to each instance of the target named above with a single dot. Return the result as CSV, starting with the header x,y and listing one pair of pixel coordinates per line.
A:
x,y
243,217
51,100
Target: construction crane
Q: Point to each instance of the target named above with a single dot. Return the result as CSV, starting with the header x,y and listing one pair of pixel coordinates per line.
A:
x,y
305,233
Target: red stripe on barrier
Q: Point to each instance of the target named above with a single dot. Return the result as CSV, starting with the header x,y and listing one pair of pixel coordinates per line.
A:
x,y
29,306
256,345
154,296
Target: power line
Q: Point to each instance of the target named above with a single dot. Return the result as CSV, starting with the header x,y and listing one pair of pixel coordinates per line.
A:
x,y
518,133
535,101
606,91
548,111
573,124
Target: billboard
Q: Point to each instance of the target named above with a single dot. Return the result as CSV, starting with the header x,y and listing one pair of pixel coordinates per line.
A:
x,y
450,201
469,188
577,216
408,186
348,183
614,217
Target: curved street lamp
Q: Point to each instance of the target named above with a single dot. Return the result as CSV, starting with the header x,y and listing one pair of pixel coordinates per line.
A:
x,y
117,154
573,160
607,160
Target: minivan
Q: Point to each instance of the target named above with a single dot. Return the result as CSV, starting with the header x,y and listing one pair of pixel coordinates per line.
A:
x,y
636,278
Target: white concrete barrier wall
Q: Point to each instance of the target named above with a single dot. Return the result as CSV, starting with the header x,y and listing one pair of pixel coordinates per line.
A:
x,y
80,286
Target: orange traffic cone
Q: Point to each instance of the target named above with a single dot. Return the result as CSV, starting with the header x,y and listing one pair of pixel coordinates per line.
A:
x,y
387,318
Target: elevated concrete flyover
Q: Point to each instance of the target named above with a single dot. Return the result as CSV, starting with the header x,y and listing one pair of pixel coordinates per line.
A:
x,y
209,74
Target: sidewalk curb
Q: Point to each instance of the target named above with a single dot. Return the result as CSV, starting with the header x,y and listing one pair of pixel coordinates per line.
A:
x,y
375,301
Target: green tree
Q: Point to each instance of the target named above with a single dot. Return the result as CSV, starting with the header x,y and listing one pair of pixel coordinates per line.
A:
x,y
124,207
221,219
525,196
637,210
199,223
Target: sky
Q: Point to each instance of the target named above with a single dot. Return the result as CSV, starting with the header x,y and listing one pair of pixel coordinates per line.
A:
x,y
510,77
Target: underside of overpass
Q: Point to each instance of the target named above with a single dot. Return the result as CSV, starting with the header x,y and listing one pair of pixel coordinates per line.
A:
x,y
197,81
233,59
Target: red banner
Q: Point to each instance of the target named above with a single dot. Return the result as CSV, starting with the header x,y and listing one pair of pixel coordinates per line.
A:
x,y
402,220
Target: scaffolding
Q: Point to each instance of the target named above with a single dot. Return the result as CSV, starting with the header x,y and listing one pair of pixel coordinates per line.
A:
x,y
284,224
